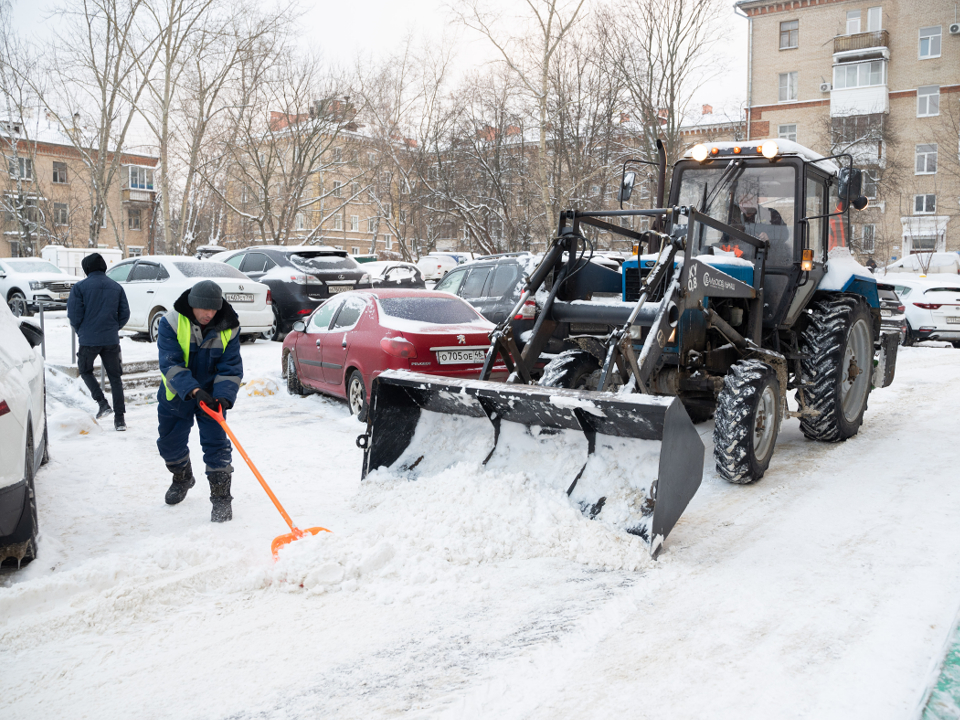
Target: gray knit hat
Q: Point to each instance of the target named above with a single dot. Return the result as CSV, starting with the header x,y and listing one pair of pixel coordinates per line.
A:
x,y
205,295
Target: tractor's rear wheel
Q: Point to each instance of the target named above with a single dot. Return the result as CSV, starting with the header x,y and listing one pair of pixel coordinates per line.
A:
x,y
837,367
574,369
747,421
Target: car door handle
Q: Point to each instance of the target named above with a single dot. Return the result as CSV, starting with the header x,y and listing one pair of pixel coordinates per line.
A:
x,y
149,292
344,343
318,343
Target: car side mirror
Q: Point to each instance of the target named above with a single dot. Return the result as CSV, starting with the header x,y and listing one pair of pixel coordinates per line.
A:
x,y
298,326
32,333
626,186
2,274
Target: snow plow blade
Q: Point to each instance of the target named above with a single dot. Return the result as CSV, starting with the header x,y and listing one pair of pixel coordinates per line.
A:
x,y
640,458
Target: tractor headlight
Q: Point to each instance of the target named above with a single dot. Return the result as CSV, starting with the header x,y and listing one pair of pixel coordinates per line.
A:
x,y
699,153
770,149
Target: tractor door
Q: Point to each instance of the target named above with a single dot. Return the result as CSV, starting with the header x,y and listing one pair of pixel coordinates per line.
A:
x,y
813,237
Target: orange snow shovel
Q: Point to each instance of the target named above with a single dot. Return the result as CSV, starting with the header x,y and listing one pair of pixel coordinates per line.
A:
x,y
295,532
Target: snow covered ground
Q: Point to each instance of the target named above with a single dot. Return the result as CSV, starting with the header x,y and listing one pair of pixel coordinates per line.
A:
x,y
826,590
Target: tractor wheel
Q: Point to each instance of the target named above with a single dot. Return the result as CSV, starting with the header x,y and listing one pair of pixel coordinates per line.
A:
x,y
572,369
294,386
747,421
838,350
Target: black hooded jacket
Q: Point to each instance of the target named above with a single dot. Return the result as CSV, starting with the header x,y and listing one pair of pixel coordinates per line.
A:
x,y
97,307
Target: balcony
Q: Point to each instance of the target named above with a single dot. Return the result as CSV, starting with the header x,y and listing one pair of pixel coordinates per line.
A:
x,y
138,196
861,41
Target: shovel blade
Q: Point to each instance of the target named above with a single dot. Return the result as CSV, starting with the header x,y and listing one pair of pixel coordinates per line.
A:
x,y
283,540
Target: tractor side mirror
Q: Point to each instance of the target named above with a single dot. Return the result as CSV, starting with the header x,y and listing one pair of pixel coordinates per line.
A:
x,y
626,186
850,189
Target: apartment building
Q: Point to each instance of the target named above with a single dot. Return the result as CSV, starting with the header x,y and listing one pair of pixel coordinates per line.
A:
x,y
46,196
879,80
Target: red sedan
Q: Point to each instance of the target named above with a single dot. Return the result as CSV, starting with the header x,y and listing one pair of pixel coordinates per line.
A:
x,y
355,336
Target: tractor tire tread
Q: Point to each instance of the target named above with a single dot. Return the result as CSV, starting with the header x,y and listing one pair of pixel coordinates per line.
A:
x,y
733,426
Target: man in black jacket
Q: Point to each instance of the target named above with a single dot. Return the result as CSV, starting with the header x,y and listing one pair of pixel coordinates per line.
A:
x,y
97,309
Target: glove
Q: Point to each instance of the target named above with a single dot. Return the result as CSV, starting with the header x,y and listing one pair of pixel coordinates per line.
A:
x,y
224,403
207,399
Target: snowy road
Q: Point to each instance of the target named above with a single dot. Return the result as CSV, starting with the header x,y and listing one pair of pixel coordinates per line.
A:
x,y
826,590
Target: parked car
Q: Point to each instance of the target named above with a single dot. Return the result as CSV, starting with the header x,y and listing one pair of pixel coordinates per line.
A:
x,y
349,340
23,435
932,306
436,264
299,278
892,311
26,281
70,259
926,263
205,252
395,274
154,282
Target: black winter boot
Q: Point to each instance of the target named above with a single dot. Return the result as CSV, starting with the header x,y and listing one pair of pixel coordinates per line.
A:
x,y
220,496
183,480
105,409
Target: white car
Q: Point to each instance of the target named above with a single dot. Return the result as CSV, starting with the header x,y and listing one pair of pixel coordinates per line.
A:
x,y
25,281
928,263
932,304
154,282
435,265
23,435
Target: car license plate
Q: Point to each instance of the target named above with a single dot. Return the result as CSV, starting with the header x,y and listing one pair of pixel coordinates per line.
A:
x,y
63,296
239,297
953,321
338,288
454,357
885,313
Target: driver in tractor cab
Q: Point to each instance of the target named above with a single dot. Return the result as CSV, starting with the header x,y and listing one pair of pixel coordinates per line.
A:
x,y
752,218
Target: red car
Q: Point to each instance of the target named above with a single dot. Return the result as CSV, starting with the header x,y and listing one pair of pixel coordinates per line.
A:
x,y
355,336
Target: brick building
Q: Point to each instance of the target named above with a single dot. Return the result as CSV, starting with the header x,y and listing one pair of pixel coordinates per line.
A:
x,y
880,80
46,196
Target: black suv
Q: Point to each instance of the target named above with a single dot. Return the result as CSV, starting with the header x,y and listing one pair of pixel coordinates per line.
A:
x,y
299,278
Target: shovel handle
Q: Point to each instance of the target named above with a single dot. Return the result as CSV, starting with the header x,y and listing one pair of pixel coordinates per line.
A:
x,y
218,416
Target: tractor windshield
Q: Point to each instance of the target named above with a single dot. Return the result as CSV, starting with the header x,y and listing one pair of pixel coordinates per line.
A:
x,y
758,200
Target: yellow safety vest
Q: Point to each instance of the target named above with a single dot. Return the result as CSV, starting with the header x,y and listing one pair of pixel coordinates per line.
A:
x,y
183,338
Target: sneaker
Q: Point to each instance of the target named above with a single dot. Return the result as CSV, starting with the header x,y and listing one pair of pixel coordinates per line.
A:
x,y
118,424
105,409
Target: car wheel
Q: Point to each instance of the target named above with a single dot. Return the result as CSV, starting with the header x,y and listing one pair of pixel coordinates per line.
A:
x,y
17,302
274,332
248,338
294,386
908,337
357,395
155,324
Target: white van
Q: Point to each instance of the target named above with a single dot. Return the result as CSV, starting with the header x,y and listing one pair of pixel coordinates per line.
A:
x,y
69,259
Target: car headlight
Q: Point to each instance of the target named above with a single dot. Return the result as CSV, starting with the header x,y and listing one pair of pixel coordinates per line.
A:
x,y
36,285
365,278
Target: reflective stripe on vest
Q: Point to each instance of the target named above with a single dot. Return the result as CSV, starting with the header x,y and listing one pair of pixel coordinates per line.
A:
x,y
183,339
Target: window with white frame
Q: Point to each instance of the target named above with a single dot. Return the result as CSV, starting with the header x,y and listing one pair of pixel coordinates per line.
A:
x,y
928,100
354,223
60,214
863,74
926,159
787,132
371,159
300,221
870,177
354,251
868,243
134,250
337,188
60,173
133,219
788,87
930,42
789,34
927,242
338,222
141,178
371,225
21,167
388,242
874,19
338,154
924,204
853,22
354,189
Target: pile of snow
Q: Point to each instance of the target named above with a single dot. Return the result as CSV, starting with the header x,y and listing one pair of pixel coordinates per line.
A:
x,y
841,266
71,421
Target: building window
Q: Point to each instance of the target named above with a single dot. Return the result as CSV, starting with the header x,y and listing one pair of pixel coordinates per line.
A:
x,y
928,100
926,159
924,204
865,74
337,189
930,42
874,19
857,128
789,34
60,172
338,222
22,168
388,242
338,154
354,251
853,22
371,159
788,86
60,214
354,223
134,250
371,225
787,132
870,183
300,222
869,239
133,219
141,178
354,189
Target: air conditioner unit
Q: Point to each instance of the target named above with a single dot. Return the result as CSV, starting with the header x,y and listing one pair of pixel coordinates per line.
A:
x,y
955,28
826,87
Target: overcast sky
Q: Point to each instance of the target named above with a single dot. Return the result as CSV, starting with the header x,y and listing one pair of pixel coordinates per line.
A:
x,y
342,30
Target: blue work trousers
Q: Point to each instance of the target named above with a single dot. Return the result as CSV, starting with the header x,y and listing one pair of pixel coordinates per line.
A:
x,y
176,421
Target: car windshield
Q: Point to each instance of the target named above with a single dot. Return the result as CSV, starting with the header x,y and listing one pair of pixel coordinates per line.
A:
x,y
757,200
33,266
435,310
321,261
208,269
